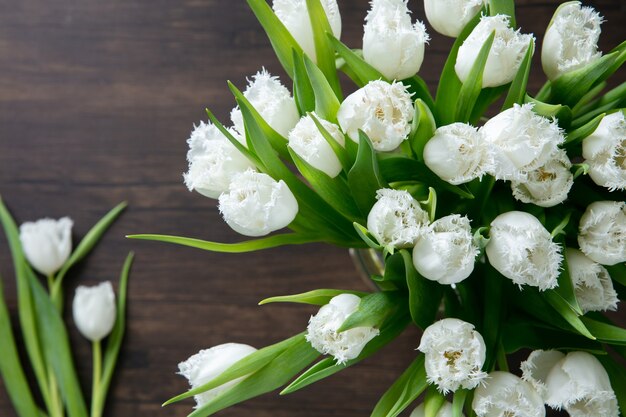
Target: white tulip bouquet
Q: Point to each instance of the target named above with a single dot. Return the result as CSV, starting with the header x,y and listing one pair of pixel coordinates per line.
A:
x,y
498,233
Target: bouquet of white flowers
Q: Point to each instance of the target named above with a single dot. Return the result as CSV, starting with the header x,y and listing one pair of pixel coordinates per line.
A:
x,y
496,233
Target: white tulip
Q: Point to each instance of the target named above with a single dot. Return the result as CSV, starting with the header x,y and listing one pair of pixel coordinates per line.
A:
x,y
383,111
322,331
449,17
396,219
47,243
579,383
309,143
256,205
506,54
521,141
571,40
602,232
605,152
444,411
213,161
94,310
273,102
445,252
504,394
391,43
457,153
208,364
521,249
547,185
592,283
537,366
295,16
454,355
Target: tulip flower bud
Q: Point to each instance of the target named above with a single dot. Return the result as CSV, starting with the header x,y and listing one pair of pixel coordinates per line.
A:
x,y
94,310
602,232
580,384
273,102
547,185
256,205
536,368
445,252
396,219
295,16
571,40
383,111
605,152
323,334
309,143
213,161
208,364
444,411
47,243
449,17
457,153
454,355
391,43
504,394
521,249
592,283
521,141
506,54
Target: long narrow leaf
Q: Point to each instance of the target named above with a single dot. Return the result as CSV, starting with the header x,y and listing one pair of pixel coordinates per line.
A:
x,y
340,151
325,54
404,391
424,296
506,7
302,89
606,332
361,70
517,91
374,310
364,178
316,297
326,102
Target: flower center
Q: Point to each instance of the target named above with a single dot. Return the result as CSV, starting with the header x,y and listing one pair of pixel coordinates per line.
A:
x,y
543,175
452,357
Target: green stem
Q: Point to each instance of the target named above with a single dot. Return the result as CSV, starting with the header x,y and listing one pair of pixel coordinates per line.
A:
x,y
55,406
96,397
503,365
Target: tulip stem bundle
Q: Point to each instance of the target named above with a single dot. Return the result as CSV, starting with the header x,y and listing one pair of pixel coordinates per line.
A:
x,y
45,246
497,232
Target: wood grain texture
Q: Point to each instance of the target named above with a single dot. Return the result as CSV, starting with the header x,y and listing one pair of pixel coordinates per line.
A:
x,y
97,99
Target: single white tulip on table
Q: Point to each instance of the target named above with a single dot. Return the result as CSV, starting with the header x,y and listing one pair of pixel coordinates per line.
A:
x,y
391,42
382,110
605,152
208,364
396,219
454,355
94,310
571,40
504,394
256,204
449,17
322,331
602,232
47,243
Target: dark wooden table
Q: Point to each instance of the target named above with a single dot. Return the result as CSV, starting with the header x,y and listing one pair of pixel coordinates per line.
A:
x,y
97,99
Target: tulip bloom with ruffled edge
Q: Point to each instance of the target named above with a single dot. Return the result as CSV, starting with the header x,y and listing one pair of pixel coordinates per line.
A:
x,y
391,43
592,283
602,232
396,219
449,17
454,355
322,331
382,110
444,411
579,384
547,185
537,366
94,310
47,243
295,16
521,141
457,153
571,40
208,364
213,161
307,141
506,54
273,102
504,394
445,251
605,152
256,204
521,249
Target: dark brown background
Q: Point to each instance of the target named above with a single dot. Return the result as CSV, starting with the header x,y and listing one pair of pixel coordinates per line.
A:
x,y
96,101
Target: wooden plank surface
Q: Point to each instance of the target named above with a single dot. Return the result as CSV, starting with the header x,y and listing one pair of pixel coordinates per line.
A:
x,y
97,99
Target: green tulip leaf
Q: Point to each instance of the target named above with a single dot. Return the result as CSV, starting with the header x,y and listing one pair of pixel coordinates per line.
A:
x,y
341,152
316,297
360,71
324,51
404,391
364,177
422,130
326,102
506,7
517,90
302,90
374,310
